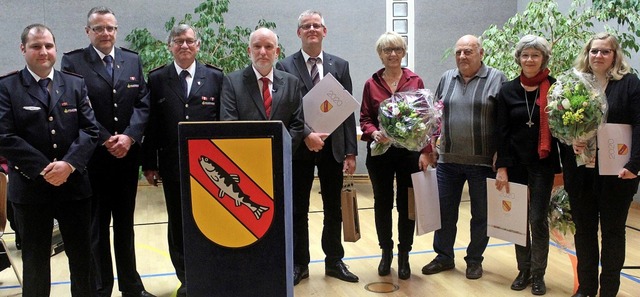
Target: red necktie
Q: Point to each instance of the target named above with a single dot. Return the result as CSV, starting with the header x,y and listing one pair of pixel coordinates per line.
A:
x,y
266,95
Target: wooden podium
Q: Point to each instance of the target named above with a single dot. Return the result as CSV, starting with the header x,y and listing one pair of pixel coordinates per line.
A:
x,y
236,208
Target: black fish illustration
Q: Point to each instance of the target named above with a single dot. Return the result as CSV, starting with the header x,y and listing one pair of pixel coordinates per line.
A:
x,y
228,185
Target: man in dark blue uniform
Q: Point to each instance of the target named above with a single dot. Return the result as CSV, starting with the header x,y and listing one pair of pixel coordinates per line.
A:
x,y
48,132
181,91
120,99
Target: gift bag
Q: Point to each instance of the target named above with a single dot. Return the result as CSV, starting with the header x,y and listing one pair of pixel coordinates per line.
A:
x,y
350,219
427,202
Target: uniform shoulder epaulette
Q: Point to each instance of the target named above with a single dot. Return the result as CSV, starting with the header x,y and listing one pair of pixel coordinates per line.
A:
x,y
9,74
74,51
157,68
213,66
128,50
71,73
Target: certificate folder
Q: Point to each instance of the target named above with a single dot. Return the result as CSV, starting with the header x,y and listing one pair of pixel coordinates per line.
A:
x,y
614,148
327,105
507,212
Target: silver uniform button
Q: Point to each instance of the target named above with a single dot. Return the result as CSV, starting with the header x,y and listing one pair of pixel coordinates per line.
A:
x,y
187,117
115,105
50,119
114,91
55,145
53,132
115,119
186,105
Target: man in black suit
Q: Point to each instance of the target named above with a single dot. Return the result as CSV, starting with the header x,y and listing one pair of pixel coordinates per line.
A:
x,y
120,99
241,97
332,154
181,91
48,132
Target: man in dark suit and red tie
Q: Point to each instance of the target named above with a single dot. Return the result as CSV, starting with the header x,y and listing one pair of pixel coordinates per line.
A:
x,y
332,154
120,99
260,92
48,132
181,91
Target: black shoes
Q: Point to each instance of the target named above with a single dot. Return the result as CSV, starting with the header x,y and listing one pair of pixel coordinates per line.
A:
x,y
582,295
339,270
143,293
299,273
384,268
436,267
404,270
474,270
538,287
522,280
182,291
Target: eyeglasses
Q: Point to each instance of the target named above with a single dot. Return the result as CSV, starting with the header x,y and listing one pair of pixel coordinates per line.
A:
x,y
604,52
180,42
101,29
534,57
397,50
311,26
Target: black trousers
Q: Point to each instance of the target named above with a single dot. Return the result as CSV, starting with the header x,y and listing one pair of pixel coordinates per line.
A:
x,y
172,197
539,179
330,176
399,163
114,182
593,205
36,225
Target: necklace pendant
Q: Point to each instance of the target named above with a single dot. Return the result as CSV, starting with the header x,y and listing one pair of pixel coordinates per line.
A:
x,y
530,123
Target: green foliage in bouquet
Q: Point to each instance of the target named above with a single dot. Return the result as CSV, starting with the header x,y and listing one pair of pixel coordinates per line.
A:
x,y
219,45
576,107
566,31
561,225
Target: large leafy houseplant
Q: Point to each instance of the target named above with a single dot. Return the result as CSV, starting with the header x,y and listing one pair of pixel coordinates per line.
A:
x,y
220,45
566,31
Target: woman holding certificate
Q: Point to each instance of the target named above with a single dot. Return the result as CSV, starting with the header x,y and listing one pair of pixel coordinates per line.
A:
x,y
527,154
600,199
395,162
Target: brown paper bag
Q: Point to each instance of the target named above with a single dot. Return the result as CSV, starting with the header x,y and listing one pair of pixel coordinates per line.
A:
x,y
350,219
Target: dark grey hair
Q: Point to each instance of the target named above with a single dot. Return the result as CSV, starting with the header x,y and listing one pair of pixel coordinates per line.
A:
x,y
177,30
98,10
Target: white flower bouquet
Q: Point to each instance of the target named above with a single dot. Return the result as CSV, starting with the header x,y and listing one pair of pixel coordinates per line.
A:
x,y
408,119
576,108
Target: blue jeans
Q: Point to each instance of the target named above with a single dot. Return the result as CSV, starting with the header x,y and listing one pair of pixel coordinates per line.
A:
x,y
451,179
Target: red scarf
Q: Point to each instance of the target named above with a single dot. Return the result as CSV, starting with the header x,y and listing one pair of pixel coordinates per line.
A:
x,y
541,79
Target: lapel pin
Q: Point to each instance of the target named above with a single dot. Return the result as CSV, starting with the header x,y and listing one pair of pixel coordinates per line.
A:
x,y
199,83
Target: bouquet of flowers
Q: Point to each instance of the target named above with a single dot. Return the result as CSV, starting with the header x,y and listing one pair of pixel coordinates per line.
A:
x,y
409,119
561,226
576,108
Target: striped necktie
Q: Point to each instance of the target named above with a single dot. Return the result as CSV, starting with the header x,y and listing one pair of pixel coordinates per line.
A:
x,y
315,76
